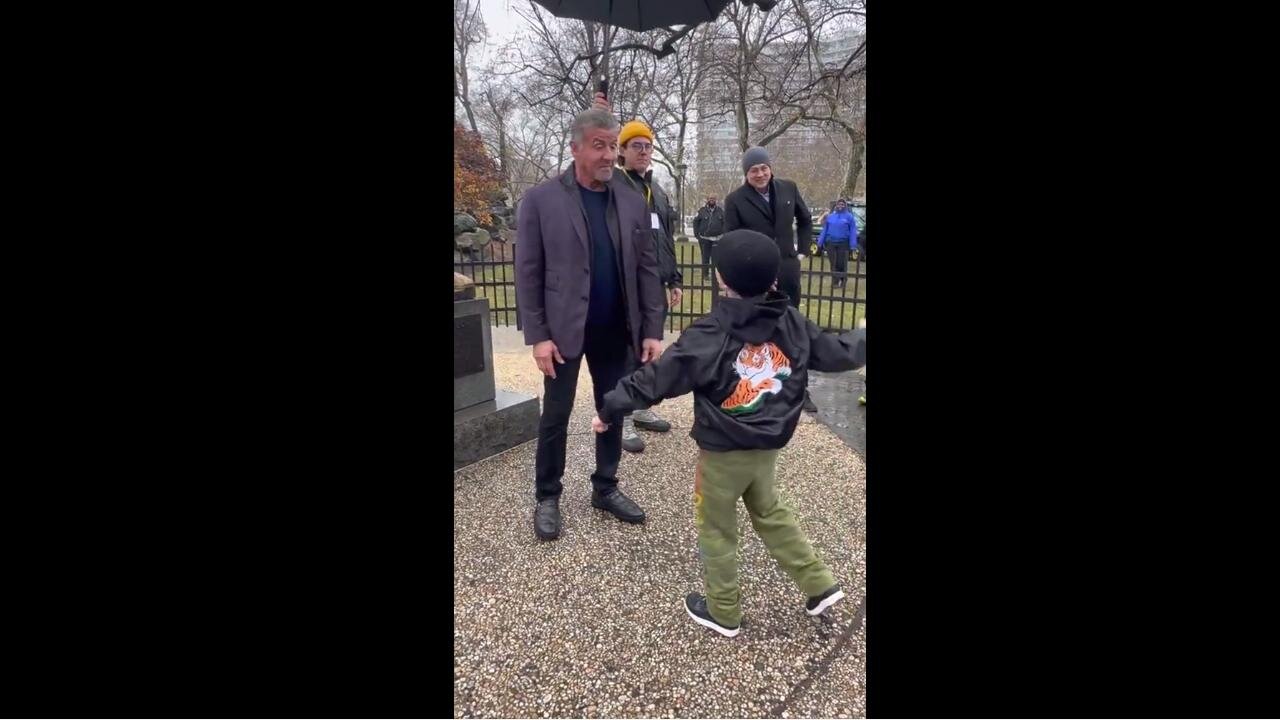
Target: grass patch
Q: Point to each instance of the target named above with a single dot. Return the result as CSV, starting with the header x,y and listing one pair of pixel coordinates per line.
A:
x,y
827,307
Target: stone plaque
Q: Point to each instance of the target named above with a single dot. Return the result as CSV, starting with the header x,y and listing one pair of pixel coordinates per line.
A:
x,y
468,345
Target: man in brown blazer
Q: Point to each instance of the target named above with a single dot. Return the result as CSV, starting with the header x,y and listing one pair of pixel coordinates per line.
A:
x,y
587,286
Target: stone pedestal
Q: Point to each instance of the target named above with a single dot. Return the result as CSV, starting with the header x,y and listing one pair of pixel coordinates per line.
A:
x,y
486,421
493,426
472,353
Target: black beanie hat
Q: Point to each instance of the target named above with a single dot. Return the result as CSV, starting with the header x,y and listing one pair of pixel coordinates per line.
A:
x,y
748,261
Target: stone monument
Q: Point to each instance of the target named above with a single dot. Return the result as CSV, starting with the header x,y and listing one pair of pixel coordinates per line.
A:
x,y
486,420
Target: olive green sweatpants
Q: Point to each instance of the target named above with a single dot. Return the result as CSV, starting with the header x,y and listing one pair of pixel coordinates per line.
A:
x,y
722,478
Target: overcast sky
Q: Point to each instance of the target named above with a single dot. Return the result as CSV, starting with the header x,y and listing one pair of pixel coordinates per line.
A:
x,y
500,20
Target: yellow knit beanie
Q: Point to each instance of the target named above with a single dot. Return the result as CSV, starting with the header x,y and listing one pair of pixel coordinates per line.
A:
x,y
634,129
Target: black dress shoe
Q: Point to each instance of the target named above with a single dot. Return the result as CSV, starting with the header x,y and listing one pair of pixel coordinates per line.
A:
x,y
546,518
808,403
622,507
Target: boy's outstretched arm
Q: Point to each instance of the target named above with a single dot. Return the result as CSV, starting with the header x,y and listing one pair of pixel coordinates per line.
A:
x,y
672,375
830,352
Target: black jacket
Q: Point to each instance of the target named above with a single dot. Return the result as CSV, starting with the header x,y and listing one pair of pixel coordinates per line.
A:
x,y
709,222
784,216
747,365
663,238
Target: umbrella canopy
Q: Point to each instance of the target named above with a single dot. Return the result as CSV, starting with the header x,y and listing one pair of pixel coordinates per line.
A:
x,y
643,15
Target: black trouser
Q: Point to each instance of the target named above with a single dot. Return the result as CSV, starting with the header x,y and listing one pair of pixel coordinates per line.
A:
x,y
609,358
706,245
789,279
839,262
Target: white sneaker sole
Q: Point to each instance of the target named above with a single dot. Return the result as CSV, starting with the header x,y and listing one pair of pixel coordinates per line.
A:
x,y
710,624
838,596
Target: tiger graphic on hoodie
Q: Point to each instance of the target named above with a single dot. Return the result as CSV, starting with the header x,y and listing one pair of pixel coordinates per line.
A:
x,y
761,370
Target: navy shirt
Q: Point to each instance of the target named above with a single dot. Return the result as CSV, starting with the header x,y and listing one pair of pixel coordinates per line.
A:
x,y
605,307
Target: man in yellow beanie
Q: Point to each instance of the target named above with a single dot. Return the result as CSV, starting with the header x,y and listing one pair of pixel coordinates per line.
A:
x,y
635,155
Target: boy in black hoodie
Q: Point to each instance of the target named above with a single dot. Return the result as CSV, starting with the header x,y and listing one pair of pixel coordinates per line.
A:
x,y
747,366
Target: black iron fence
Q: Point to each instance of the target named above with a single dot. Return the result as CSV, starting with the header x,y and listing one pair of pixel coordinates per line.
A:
x,y
829,306
494,274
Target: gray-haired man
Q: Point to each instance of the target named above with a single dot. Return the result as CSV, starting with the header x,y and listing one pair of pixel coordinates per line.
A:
x,y
587,286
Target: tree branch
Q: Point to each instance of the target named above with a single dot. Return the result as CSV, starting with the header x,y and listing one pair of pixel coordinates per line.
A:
x,y
783,128
667,48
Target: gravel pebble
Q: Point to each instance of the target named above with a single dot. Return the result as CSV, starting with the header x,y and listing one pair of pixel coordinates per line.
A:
x,y
593,624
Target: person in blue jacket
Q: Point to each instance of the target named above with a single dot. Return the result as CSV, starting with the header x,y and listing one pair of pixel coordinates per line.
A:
x,y
839,233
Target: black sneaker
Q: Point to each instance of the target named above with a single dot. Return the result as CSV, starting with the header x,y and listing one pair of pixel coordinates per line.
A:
x,y
696,606
817,604
649,420
631,441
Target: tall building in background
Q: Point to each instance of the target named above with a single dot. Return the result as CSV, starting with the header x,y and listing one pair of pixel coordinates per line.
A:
x,y
816,157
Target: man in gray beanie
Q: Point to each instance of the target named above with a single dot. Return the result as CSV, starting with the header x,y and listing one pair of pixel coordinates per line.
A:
x,y
773,207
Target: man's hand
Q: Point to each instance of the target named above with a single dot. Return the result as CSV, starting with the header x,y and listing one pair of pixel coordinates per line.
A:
x,y
599,425
543,354
799,256
651,350
601,102
673,297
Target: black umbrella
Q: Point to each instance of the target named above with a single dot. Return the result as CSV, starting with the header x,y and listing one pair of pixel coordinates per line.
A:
x,y
644,15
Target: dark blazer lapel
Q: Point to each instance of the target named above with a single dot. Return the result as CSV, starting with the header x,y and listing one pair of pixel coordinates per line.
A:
x,y
760,204
577,213
782,196
613,218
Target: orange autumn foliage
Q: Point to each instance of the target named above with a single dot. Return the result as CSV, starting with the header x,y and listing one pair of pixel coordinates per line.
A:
x,y
475,175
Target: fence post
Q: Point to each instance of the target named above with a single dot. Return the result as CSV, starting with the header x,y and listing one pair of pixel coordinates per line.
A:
x,y
715,284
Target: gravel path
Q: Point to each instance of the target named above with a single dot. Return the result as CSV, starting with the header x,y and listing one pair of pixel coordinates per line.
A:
x,y
593,625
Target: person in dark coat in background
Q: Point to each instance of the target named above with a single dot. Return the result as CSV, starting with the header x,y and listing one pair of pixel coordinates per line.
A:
x,y
708,226
773,207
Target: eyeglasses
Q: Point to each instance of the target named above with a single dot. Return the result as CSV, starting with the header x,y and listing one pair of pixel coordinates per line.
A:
x,y
641,147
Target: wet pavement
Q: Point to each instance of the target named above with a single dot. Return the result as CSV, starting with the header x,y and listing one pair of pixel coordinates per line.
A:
x,y
836,395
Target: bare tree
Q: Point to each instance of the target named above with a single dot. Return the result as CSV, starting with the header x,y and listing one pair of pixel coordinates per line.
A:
x,y
468,31
853,124
543,78
765,70
827,93
762,58
526,140
793,78
745,34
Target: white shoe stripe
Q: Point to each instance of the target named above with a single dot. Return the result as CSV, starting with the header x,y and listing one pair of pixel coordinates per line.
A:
x,y
711,624
835,597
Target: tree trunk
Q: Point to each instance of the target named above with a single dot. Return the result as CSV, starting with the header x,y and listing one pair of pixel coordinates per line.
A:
x,y
855,164
504,162
740,113
471,117
598,64
460,92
